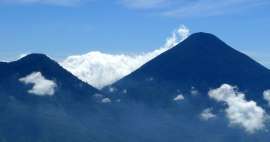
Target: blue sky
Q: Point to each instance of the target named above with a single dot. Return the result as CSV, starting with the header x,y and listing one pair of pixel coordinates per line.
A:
x,y
61,28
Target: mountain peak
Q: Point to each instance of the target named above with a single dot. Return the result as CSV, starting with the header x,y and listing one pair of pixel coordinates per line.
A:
x,y
202,37
37,60
202,34
36,56
204,41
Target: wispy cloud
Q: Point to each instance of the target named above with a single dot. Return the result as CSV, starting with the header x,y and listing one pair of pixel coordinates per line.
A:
x,y
207,114
191,8
213,7
174,8
106,100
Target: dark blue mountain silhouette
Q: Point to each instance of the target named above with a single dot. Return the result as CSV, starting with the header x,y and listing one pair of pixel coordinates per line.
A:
x,y
67,84
29,117
201,62
73,114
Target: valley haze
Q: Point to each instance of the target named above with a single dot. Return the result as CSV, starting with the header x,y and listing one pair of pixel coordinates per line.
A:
x,y
199,84
134,71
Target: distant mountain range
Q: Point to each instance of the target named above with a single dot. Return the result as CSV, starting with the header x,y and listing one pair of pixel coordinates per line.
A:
x,y
185,94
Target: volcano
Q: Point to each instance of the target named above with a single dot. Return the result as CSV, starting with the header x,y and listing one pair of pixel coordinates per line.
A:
x,y
197,64
167,99
12,72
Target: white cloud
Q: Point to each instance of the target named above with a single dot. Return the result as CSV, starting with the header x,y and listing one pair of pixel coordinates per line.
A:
x,y
179,98
112,89
101,69
207,114
41,86
106,100
266,96
240,112
194,91
22,55
98,96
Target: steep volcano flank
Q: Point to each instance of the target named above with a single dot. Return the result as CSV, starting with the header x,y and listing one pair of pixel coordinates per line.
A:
x,y
69,88
201,61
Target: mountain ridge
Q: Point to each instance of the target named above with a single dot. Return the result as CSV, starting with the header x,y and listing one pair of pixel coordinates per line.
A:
x,y
176,82
202,61
11,72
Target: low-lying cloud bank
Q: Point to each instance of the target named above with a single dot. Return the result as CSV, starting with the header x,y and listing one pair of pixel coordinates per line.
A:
x,y
41,86
101,69
239,111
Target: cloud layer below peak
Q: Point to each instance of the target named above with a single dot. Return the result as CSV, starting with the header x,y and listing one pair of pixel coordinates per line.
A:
x,y
101,69
239,111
